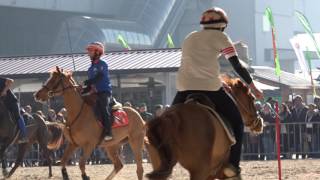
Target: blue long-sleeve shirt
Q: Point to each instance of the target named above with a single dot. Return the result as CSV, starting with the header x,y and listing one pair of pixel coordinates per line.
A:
x,y
103,84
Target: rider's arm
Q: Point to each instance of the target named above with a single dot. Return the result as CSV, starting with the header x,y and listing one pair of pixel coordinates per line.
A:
x,y
240,69
94,80
228,50
245,75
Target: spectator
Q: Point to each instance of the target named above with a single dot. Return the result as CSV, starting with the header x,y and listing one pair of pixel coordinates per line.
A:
x,y
285,117
258,139
268,136
60,118
52,116
127,104
311,116
28,109
40,113
28,119
299,112
146,116
316,101
158,110
64,113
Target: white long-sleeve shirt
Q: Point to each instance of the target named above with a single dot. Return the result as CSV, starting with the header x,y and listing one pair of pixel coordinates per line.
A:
x,y
200,69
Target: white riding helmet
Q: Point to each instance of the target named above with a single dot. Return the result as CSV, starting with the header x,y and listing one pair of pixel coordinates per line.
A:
x,y
215,18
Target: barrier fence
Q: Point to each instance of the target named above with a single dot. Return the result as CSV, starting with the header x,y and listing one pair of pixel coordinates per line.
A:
x,y
298,140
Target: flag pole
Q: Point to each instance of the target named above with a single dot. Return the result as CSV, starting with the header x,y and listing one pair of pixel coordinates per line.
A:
x,y
268,13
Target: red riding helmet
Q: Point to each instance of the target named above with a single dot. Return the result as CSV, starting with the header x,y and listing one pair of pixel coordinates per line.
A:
x,y
96,46
214,17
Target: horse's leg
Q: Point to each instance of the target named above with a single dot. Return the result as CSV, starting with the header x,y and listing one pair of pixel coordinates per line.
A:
x,y
47,155
87,150
136,144
113,154
200,174
21,152
3,160
66,155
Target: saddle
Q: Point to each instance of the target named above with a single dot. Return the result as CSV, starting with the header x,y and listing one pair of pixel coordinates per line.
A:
x,y
204,101
119,117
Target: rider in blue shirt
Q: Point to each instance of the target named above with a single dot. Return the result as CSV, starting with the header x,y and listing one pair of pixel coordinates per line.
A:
x,y
99,82
11,102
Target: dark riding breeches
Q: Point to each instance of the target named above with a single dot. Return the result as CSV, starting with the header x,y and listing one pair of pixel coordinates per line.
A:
x,y
227,108
102,105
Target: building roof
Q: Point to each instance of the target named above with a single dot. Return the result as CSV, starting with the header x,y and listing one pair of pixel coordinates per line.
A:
x,y
135,61
286,78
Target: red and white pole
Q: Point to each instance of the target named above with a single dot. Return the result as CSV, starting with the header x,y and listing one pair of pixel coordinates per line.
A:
x,y
278,139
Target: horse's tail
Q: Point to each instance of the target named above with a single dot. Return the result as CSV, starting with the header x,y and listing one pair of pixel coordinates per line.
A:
x,y
159,147
56,138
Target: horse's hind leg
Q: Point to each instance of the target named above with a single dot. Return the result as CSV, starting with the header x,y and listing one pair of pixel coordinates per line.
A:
x,y
113,154
21,152
136,144
3,161
66,155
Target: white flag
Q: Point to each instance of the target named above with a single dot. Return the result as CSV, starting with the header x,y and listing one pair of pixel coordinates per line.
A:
x,y
300,55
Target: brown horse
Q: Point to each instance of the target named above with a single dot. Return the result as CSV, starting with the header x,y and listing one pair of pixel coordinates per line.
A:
x,y
191,135
48,136
82,128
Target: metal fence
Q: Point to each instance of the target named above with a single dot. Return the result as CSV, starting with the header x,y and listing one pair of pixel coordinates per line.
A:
x,y
297,140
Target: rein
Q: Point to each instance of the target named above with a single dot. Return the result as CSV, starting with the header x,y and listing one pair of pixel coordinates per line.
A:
x,y
52,92
244,108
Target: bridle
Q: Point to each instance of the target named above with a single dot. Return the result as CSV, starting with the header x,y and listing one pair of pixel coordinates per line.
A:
x,y
52,91
256,116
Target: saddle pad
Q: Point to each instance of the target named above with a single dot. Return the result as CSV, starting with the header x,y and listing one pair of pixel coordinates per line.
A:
x,y
120,118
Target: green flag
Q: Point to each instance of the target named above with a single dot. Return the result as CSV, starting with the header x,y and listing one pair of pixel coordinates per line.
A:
x,y
307,27
268,14
123,42
170,41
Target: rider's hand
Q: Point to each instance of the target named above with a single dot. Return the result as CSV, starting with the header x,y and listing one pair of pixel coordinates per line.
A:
x,y
226,86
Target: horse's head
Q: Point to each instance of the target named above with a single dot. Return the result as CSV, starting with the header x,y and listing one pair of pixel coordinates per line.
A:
x,y
56,85
245,101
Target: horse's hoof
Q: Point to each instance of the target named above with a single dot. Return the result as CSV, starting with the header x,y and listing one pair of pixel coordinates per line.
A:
x,y
5,172
85,177
64,174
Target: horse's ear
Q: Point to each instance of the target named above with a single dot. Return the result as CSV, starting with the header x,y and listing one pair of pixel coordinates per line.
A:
x,y
58,69
69,73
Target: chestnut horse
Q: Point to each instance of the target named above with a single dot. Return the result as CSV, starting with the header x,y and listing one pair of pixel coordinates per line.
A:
x,y
83,130
191,135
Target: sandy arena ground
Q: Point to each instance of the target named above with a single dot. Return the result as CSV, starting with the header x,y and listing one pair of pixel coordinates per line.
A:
x,y
252,170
